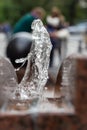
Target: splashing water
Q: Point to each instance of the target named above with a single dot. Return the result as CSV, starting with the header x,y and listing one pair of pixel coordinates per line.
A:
x,y
36,73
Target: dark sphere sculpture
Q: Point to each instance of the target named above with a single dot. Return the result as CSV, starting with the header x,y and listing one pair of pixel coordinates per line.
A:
x,y
18,47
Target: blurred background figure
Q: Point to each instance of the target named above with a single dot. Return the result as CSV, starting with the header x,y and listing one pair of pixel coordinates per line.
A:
x,y
21,39
24,24
7,28
55,22
53,19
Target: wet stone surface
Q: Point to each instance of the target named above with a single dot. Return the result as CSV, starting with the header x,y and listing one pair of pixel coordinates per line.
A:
x,y
8,81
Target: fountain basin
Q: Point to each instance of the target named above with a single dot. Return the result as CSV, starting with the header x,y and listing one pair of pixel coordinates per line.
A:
x,y
54,117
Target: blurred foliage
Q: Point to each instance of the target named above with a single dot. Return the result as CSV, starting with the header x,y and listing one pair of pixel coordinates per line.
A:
x,y
12,10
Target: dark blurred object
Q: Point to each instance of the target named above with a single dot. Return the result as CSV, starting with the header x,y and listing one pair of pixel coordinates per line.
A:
x,y
6,28
18,47
1,28
79,28
80,46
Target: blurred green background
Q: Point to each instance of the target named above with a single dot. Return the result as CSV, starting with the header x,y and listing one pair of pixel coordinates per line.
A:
x,y
73,10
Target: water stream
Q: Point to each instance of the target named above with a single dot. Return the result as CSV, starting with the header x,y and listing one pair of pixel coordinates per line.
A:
x,y
29,92
36,73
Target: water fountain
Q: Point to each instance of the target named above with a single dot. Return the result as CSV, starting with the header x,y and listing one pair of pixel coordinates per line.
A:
x,y
36,74
24,106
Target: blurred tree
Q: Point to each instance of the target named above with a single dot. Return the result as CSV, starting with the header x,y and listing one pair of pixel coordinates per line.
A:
x,y
8,11
73,10
12,10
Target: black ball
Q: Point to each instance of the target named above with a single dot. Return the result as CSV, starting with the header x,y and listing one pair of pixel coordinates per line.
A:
x,y
18,47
